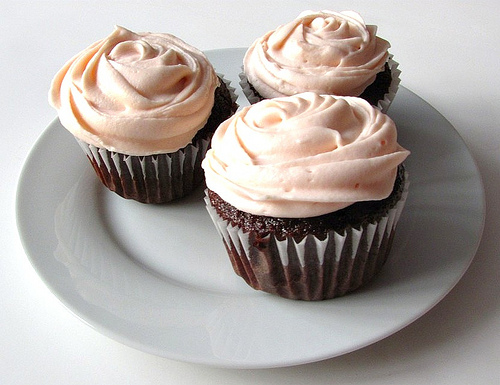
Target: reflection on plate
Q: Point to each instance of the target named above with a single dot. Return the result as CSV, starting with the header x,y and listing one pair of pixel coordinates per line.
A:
x,y
157,277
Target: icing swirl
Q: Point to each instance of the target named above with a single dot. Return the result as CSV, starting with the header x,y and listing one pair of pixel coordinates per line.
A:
x,y
135,93
324,52
303,156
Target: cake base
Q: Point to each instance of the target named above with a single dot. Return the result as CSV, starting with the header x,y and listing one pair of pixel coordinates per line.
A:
x,y
309,258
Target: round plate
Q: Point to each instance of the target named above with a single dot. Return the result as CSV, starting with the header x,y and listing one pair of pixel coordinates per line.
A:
x,y
157,278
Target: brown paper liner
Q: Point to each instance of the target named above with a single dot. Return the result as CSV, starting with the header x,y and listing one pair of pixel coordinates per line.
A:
x,y
312,269
153,178
382,104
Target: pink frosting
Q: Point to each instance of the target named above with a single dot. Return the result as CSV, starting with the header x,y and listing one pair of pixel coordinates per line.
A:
x,y
135,93
324,52
303,156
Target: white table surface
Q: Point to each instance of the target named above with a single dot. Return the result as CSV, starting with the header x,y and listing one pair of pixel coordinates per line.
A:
x,y
449,54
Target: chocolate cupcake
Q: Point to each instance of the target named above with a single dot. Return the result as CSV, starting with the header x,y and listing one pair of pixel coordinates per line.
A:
x,y
324,52
143,107
306,192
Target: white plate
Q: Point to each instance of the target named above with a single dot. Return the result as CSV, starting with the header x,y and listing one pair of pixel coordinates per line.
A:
x,y
157,277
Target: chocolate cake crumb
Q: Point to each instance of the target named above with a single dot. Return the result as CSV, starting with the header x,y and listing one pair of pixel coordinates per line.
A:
x,y
377,90
355,215
223,108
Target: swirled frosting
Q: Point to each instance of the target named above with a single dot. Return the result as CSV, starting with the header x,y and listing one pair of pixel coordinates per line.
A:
x,y
324,52
303,156
135,93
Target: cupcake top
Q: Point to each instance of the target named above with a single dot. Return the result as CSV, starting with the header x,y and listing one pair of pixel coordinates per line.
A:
x,y
303,156
324,52
135,93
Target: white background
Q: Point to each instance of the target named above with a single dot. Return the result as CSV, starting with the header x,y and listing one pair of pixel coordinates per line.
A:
x,y
449,54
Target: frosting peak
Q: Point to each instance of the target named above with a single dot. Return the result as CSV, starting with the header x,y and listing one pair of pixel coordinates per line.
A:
x,y
303,156
135,93
325,52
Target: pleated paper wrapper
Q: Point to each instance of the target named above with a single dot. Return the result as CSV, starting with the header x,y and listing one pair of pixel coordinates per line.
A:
x,y
155,178
312,268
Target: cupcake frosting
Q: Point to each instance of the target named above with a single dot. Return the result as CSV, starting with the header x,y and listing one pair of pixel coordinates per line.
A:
x,y
324,52
303,156
135,93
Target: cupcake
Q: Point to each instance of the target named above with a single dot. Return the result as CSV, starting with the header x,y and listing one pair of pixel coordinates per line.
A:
x,y
324,52
143,107
306,192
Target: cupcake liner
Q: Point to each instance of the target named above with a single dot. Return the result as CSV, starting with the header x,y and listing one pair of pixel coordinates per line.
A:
x,y
382,104
231,89
311,268
155,178
247,89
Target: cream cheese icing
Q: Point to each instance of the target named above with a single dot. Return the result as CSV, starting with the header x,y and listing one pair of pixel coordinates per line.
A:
x,y
324,52
135,93
303,156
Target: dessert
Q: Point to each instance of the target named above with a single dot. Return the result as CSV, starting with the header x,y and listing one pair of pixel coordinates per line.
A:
x,y
306,192
324,52
143,107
